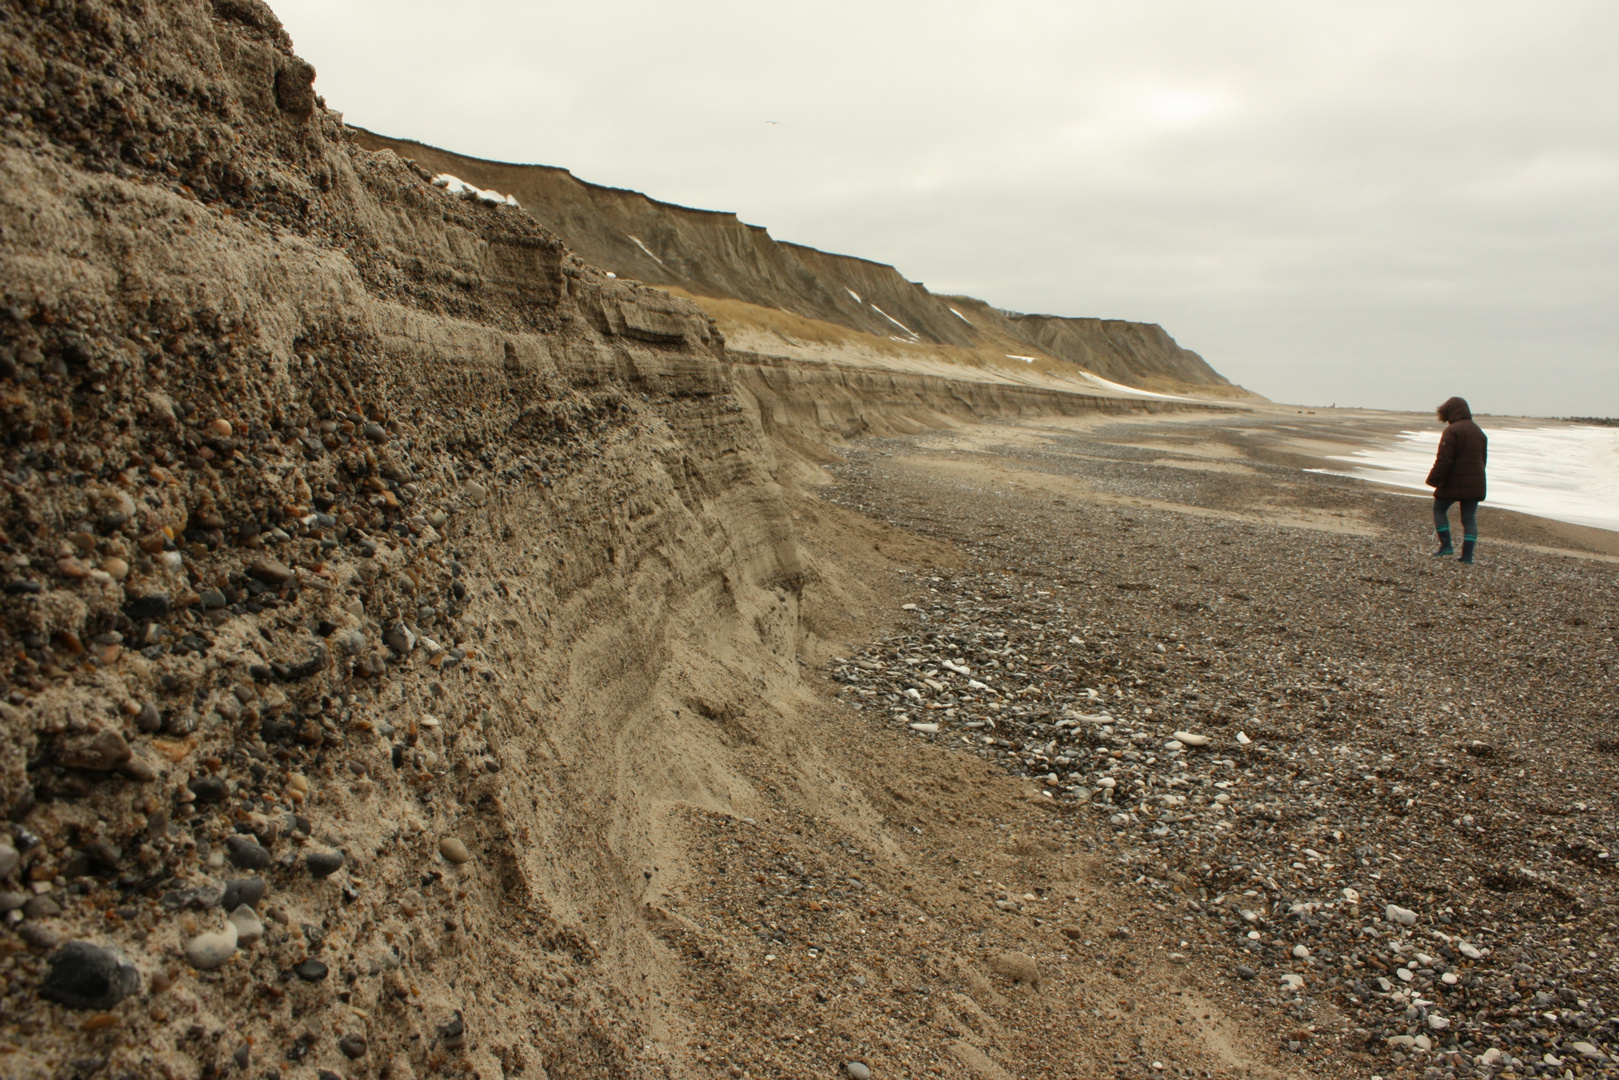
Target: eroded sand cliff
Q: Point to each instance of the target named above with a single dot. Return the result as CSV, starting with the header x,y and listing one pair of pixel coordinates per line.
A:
x,y
386,589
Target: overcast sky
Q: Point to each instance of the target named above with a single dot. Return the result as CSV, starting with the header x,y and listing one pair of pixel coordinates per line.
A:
x,y
1378,203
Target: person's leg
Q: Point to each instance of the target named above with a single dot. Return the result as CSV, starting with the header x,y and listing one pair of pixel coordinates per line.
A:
x,y
1469,528
1441,524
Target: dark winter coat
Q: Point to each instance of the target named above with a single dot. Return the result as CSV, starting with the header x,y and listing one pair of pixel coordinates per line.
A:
x,y
1458,471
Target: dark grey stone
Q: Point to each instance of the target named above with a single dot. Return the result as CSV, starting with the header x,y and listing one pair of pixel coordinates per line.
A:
x,y
86,976
245,853
324,863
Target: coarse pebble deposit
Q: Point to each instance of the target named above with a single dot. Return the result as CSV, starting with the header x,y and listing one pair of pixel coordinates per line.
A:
x,y
1373,790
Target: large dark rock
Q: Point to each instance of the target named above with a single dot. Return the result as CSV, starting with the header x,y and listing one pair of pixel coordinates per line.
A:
x,y
86,976
245,853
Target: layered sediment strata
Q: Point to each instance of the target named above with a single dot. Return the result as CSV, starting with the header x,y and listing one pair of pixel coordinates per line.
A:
x,y
352,534
715,256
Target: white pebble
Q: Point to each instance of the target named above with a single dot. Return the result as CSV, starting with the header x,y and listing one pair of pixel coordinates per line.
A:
x,y
208,951
248,927
1400,915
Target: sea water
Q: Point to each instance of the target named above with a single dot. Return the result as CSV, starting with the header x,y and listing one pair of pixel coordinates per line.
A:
x,y
1568,473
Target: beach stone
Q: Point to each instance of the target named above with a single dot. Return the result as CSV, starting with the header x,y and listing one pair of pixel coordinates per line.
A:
x,y
39,935
352,1045
86,976
857,1070
454,850
1245,972
1437,1022
1401,916
245,853
349,642
324,863
1293,982
9,860
207,788
208,951
310,971
200,897
41,906
1190,739
249,928
375,432
271,571
1300,952
148,608
475,493
248,891
99,752
139,770
399,639
149,719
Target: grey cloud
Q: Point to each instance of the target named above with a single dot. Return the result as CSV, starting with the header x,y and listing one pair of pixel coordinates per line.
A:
x,y
1374,203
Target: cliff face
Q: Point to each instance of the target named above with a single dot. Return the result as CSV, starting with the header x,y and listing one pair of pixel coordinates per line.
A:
x,y
714,255
378,573
344,522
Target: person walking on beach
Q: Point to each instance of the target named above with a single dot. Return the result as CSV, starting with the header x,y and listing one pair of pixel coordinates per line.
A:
x,y
1458,476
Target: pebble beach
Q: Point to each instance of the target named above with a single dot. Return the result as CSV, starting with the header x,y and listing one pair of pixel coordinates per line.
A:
x,y
1371,790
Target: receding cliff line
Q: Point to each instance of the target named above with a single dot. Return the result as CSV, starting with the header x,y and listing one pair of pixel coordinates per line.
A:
x,y
714,254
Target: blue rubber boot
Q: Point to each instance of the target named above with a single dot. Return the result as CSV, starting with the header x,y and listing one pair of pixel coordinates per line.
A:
x,y
1467,550
1444,545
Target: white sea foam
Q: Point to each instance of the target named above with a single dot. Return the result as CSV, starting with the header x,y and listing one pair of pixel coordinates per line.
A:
x,y
1567,473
